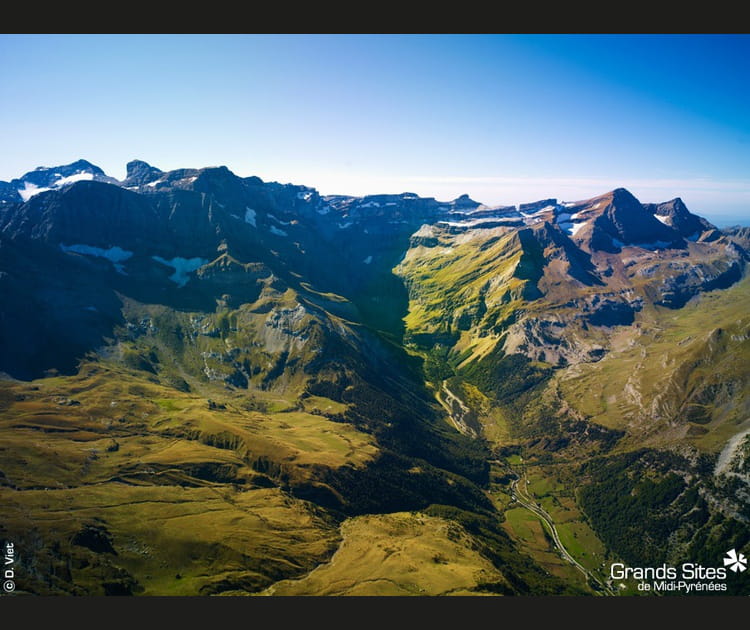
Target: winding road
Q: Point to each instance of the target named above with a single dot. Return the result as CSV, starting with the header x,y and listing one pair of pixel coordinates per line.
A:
x,y
458,412
529,504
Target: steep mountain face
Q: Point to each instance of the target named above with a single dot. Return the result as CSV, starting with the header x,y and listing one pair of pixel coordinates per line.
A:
x,y
617,219
331,357
675,214
139,173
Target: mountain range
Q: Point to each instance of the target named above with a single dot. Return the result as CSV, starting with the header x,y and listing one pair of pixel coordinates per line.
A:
x,y
214,384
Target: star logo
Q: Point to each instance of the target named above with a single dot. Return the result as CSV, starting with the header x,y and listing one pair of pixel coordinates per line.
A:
x,y
735,561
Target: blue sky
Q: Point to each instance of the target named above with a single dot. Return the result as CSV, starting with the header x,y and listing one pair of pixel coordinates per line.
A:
x,y
503,118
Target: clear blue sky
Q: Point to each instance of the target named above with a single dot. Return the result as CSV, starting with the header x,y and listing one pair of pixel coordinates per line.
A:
x,y
505,119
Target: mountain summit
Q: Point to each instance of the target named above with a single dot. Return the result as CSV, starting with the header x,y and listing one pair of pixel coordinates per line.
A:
x,y
140,173
617,219
45,178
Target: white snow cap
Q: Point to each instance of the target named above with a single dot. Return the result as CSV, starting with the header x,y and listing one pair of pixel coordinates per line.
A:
x,y
71,179
29,190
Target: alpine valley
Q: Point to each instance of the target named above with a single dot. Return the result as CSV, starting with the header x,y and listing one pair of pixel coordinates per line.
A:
x,y
218,385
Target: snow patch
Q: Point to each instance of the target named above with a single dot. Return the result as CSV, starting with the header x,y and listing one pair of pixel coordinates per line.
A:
x,y
115,255
367,260
304,195
152,184
664,220
371,204
576,227
274,230
29,190
343,226
236,216
571,228
474,222
250,216
182,267
538,212
71,179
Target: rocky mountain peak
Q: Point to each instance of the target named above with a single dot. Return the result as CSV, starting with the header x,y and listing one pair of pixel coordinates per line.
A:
x,y
617,219
676,214
45,178
140,173
51,175
464,201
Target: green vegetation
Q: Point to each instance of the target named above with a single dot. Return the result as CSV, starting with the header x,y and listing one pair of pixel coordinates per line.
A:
x,y
401,554
507,378
165,539
178,487
526,571
437,365
449,290
692,364
629,490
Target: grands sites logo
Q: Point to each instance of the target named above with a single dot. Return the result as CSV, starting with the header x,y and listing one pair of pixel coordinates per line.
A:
x,y
689,577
